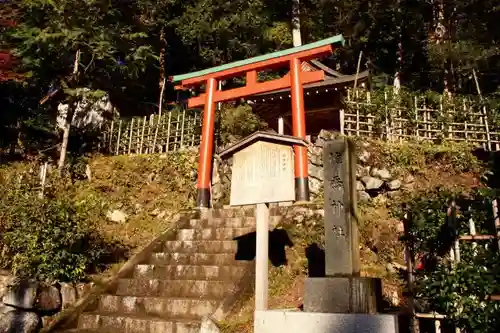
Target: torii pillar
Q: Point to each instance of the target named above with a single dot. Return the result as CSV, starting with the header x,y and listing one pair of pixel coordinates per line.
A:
x,y
249,68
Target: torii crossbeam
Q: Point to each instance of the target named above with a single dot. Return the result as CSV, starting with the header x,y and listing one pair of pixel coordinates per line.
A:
x,y
249,68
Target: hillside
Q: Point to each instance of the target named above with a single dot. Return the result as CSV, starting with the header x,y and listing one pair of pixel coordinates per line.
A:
x,y
420,167
122,202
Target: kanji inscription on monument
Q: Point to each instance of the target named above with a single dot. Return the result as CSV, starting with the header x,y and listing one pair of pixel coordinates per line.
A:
x,y
341,233
262,173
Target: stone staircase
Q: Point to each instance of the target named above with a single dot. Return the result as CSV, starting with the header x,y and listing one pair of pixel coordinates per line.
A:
x,y
182,281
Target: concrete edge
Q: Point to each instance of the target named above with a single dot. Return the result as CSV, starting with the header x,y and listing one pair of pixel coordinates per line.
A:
x,y
208,325
228,303
179,220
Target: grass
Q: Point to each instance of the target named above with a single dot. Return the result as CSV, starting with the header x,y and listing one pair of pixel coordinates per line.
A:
x,y
148,188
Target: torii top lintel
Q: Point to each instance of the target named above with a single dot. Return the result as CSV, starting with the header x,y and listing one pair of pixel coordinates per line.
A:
x,y
249,67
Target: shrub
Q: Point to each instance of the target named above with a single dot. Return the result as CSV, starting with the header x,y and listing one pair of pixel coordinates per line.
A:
x,y
460,290
50,238
417,156
237,123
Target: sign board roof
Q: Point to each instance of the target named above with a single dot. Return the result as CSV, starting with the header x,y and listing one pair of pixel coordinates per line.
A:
x,y
286,140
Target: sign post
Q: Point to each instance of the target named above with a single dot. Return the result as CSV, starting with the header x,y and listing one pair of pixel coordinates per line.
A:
x,y
261,257
263,173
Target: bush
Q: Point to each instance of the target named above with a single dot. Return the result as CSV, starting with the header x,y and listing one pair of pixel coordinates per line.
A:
x,y
417,156
237,123
459,290
48,239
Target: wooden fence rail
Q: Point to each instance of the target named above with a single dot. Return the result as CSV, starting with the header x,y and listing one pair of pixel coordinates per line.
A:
x,y
459,120
147,135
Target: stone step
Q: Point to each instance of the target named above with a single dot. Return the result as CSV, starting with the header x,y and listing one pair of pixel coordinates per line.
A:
x,y
227,246
221,222
188,272
161,258
174,288
115,323
212,233
233,212
158,307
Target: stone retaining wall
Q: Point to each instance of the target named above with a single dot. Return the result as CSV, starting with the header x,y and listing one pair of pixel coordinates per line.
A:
x,y
26,306
371,181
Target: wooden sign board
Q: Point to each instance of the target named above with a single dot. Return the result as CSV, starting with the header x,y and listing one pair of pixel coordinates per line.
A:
x,y
262,173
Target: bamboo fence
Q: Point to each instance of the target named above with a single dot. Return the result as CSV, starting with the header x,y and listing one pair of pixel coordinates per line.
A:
x,y
417,319
154,134
461,120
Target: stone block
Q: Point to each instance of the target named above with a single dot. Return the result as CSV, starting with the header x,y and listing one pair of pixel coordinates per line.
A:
x,y
20,322
279,321
68,295
342,295
49,298
21,295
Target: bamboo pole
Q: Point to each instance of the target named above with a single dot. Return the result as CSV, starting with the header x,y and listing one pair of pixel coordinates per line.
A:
x,y
142,134
151,116
111,136
182,126
177,131
169,126
496,218
118,138
153,149
138,141
131,134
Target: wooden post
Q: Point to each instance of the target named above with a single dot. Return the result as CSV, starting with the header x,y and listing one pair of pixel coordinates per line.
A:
x,y
206,146
182,127
261,259
142,134
414,327
110,148
299,130
153,149
168,130
43,178
472,232
177,132
193,129
118,138
497,220
342,121
416,118
138,141
131,134
148,143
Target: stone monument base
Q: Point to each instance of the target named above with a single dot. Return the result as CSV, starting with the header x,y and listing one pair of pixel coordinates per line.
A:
x,y
342,295
279,321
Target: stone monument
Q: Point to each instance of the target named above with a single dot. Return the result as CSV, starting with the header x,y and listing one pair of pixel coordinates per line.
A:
x,y
342,290
342,301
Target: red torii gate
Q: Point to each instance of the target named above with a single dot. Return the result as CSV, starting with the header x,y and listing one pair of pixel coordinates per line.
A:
x,y
249,67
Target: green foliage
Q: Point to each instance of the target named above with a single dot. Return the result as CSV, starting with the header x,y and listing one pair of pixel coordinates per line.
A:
x,y
459,290
51,238
238,122
416,157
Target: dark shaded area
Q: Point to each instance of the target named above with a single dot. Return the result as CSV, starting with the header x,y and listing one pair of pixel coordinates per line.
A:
x,y
492,160
278,240
315,260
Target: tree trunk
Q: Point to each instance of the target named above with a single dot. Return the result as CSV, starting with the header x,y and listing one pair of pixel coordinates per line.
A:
x,y
297,37
163,80
399,52
65,138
